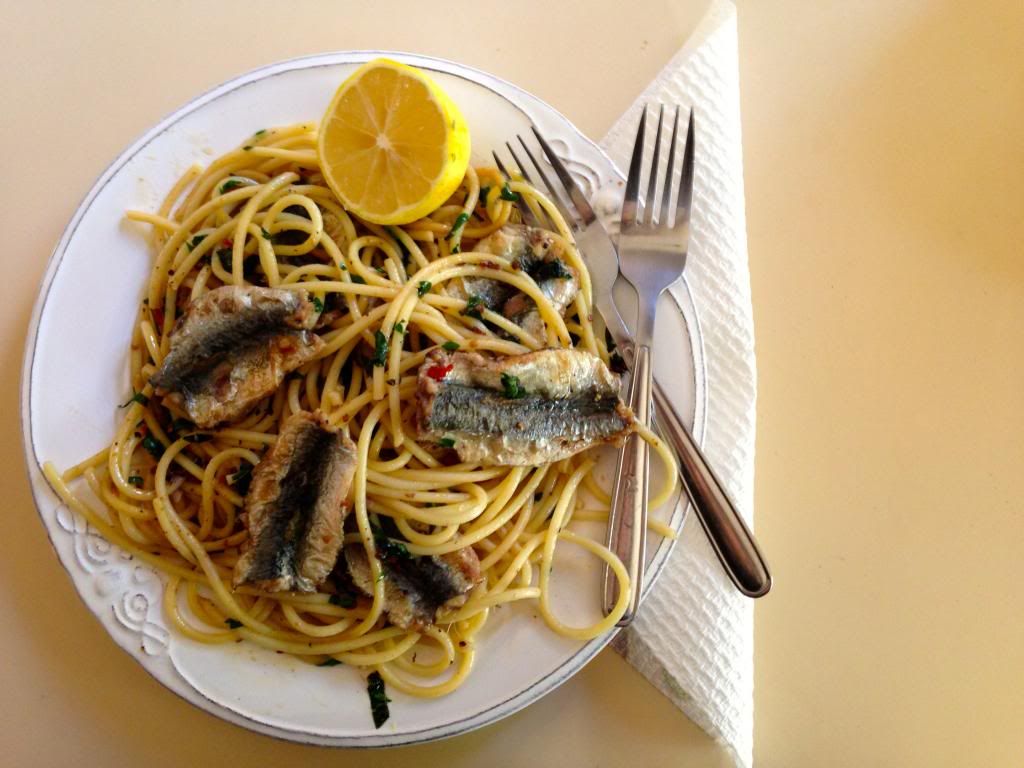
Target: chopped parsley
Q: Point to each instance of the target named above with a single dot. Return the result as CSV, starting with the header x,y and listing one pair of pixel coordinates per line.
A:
x,y
224,257
135,480
446,442
266,235
474,307
451,346
400,326
260,132
318,305
513,389
230,184
455,233
330,661
137,397
423,288
358,279
508,194
389,549
195,241
197,437
241,478
154,446
247,147
378,699
552,270
380,349
343,600
460,222
233,623
483,196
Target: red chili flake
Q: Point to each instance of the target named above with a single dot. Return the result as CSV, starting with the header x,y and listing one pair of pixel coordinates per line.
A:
x,y
490,265
227,243
438,372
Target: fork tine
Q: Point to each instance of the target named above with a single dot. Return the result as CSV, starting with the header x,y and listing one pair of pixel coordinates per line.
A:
x,y
652,182
524,210
546,222
667,191
629,201
501,165
686,178
522,168
576,196
552,190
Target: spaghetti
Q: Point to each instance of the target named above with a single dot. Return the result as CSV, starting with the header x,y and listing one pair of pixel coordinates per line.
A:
x,y
172,497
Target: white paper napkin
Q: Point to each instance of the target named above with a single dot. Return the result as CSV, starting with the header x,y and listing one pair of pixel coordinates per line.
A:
x,y
693,639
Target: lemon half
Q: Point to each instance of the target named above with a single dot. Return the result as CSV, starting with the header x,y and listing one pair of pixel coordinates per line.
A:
x,y
393,147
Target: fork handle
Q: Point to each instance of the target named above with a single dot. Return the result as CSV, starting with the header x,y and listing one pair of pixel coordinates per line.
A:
x,y
730,537
627,530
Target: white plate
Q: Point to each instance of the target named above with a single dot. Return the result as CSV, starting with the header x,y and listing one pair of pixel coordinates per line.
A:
x,y
76,371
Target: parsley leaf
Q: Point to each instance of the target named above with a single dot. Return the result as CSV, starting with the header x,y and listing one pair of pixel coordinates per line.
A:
x,y
135,480
197,437
380,349
266,235
423,288
508,194
552,270
137,397
388,548
451,346
154,446
400,326
474,307
241,479
317,304
230,184
358,279
513,389
195,241
378,699
446,442
483,196
343,600
260,132
233,623
460,222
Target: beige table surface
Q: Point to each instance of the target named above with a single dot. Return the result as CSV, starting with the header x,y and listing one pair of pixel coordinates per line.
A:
x,y
885,189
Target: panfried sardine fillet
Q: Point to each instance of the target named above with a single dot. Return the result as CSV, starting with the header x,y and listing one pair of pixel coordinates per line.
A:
x,y
233,347
296,506
415,587
539,254
520,410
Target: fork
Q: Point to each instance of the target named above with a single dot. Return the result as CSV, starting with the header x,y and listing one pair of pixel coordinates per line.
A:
x,y
732,541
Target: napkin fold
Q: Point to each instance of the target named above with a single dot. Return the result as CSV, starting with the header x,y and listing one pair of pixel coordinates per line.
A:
x,y
693,640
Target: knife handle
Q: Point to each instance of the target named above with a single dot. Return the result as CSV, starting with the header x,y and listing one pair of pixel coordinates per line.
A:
x,y
730,537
